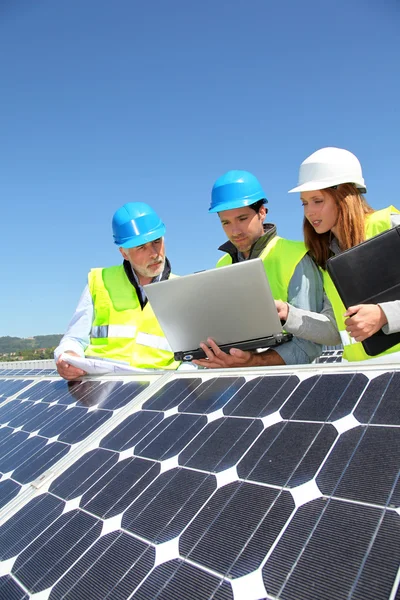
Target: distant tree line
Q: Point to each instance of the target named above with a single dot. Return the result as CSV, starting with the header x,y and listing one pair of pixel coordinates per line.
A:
x,y
39,354
10,344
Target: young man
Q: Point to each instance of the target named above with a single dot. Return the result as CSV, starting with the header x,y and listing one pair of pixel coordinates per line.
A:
x,y
239,200
113,319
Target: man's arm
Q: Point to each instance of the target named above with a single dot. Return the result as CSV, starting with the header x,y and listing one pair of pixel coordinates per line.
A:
x,y
76,338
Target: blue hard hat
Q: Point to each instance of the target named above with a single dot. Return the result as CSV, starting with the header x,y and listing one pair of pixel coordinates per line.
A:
x,y
235,189
135,224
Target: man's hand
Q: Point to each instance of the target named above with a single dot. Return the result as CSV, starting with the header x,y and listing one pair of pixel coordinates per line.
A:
x,y
365,320
283,309
217,359
67,371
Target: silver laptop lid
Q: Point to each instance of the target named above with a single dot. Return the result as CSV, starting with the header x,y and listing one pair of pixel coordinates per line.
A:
x,y
230,304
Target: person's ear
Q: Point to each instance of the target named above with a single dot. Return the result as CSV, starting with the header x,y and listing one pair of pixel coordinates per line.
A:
x,y
123,252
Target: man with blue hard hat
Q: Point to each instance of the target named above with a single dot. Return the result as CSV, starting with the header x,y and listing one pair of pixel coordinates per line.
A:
x,y
239,200
113,319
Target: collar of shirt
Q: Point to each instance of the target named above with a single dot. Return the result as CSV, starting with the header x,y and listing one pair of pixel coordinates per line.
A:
x,y
140,287
257,247
334,246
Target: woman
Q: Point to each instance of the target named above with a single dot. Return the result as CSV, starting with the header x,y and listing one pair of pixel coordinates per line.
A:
x,y
337,217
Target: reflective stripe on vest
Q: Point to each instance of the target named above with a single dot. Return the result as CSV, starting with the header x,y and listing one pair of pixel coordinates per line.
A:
x,y
153,341
376,222
113,331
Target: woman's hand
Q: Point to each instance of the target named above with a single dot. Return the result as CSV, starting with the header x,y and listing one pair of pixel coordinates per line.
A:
x,y
283,309
364,320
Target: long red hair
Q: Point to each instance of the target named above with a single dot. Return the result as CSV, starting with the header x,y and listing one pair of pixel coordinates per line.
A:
x,y
352,208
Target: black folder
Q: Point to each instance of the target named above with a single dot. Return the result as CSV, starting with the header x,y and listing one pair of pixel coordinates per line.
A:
x,y
369,274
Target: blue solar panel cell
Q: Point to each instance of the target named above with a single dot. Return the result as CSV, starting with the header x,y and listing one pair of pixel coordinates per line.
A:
x,y
261,396
321,553
126,561
211,395
23,527
11,410
133,429
274,458
221,444
119,395
363,455
10,590
167,506
61,420
19,449
84,426
38,391
78,478
237,527
56,549
119,487
30,413
8,490
380,403
171,394
10,387
177,579
382,559
170,436
40,416
83,392
326,397
51,413
34,464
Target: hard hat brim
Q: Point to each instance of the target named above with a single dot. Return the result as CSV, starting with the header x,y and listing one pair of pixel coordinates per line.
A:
x,y
235,204
313,186
142,239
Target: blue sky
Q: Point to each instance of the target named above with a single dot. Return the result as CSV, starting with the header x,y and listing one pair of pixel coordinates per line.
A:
x,y
104,103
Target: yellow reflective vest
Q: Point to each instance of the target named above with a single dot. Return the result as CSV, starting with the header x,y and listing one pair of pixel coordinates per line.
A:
x,y
121,330
376,222
280,258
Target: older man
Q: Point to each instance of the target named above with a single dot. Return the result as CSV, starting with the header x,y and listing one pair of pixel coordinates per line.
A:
x,y
113,319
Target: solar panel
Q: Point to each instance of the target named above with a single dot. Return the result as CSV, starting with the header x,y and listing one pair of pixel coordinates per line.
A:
x,y
41,423
330,356
257,484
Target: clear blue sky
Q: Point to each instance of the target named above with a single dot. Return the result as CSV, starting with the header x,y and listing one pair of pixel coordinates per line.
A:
x,y
105,102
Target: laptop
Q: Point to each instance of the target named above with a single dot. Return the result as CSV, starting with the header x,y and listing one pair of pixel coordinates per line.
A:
x,y
369,273
233,305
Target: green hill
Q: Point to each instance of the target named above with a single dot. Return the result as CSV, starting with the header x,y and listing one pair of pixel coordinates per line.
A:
x,y
15,344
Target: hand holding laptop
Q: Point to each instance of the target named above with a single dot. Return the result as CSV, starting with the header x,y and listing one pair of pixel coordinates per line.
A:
x,y
232,306
215,358
236,358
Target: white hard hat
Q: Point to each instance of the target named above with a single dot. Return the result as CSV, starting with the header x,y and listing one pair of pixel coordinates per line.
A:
x,y
328,167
